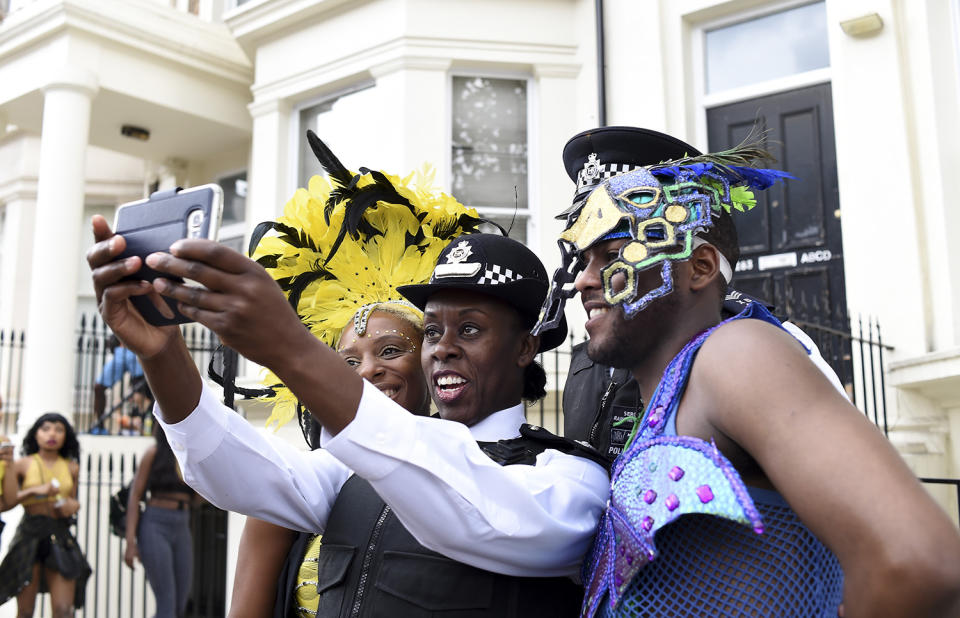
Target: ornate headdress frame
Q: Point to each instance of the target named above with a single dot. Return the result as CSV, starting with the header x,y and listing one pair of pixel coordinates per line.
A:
x,y
660,209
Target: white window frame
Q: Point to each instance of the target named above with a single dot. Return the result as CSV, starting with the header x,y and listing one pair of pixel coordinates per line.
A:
x,y
239,228
703,101
531,212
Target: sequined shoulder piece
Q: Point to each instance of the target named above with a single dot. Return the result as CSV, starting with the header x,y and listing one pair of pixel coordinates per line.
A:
x,y
667,477
659,478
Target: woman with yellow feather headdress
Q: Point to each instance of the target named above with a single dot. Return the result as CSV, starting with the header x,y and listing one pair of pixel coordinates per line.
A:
x,y
342,247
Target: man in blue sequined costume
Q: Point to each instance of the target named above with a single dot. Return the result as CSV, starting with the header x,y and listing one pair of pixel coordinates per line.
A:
x,y
749,480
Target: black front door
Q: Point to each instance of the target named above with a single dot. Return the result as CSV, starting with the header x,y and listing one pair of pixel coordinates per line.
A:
x,y
791,250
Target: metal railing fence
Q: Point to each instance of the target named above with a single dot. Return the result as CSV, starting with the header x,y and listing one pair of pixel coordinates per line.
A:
x,y
857,356
92,352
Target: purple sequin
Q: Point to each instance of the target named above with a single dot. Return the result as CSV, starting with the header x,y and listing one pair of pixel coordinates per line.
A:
x,y
676,473
649,496
647,524
705,493
672,502
655,417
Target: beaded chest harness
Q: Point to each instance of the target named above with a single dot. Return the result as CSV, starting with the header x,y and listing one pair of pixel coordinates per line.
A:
x,y
659,478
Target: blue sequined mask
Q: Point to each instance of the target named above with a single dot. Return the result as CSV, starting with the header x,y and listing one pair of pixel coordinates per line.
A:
x,y
664,207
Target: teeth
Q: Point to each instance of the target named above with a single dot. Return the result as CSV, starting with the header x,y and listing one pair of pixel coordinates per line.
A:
x,y
449,380
390,392
598,310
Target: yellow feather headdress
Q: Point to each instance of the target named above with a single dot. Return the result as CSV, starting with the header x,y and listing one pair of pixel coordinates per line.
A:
x,y
345,243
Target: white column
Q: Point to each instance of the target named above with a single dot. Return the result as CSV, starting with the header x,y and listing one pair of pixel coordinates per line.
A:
x,y
415,119
269,155
51,325
15,267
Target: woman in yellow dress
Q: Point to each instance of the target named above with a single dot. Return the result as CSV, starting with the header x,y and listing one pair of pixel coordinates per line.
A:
x,y
44,555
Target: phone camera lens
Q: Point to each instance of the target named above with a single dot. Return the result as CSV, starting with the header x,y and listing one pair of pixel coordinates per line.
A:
x,y
194,224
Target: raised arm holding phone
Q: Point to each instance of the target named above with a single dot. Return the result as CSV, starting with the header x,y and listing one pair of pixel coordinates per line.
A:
x,y
514,529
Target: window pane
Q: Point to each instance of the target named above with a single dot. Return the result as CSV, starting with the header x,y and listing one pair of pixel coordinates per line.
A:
x,y
769,47
236,243
338,122
234,198
489,142
515,226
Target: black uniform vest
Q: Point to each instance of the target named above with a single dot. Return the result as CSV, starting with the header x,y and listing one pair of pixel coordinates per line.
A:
x,y
598,404
369,566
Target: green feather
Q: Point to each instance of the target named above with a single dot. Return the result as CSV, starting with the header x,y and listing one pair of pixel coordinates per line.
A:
x,y
742,198
745,154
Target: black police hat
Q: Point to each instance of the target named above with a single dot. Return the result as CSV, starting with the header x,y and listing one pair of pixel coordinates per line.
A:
x,y
595,155
496,266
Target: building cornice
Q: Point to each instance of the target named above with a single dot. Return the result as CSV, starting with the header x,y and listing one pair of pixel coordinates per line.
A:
x,y
423,53
254,21
145,26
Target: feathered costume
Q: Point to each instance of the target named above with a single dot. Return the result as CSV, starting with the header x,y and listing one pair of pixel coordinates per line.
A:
x,y
346,243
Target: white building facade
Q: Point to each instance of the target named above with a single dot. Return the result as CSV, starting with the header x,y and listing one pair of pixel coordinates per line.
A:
x,y
861,96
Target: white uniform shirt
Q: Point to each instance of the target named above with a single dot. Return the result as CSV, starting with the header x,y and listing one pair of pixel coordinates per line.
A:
x,y
815,357
518,520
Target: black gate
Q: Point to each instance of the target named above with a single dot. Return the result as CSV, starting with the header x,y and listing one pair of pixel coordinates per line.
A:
x,y
791,246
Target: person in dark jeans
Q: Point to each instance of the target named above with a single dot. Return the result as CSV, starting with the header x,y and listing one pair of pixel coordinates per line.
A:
x,y
160,537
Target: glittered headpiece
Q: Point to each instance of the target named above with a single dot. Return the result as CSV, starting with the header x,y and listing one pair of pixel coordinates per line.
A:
x,y
661,206
345,244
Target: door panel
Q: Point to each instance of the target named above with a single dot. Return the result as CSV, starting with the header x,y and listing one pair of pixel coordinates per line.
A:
x,y
791,247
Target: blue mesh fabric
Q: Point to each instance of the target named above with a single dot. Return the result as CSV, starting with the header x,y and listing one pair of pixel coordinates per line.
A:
x,y
710,566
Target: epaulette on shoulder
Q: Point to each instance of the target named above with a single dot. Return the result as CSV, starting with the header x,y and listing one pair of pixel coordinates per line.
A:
x,y
534,440
569,446
512,451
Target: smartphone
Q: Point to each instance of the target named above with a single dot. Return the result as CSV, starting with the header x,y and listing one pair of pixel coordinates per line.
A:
x,y
153,224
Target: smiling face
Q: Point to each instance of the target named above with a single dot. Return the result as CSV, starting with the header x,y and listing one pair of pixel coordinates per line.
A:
x,y
616,340
51,436
474,354
388,356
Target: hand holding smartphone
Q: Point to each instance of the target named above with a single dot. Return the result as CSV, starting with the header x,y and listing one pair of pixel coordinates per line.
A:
x,y
153,224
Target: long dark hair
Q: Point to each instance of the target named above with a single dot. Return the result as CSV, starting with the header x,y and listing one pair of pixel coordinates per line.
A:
x,y
71,446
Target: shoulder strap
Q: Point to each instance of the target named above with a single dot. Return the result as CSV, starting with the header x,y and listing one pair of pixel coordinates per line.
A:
x,y
578,448
39,462
534,440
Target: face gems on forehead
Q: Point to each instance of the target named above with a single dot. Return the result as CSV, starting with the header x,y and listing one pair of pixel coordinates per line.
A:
x,y
362,315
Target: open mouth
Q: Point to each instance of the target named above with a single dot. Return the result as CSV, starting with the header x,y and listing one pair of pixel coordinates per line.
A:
x,y
596,308
449,386
597,311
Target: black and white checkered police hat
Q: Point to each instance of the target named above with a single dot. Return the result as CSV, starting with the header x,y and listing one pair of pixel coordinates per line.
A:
x,y
593,156
496,266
